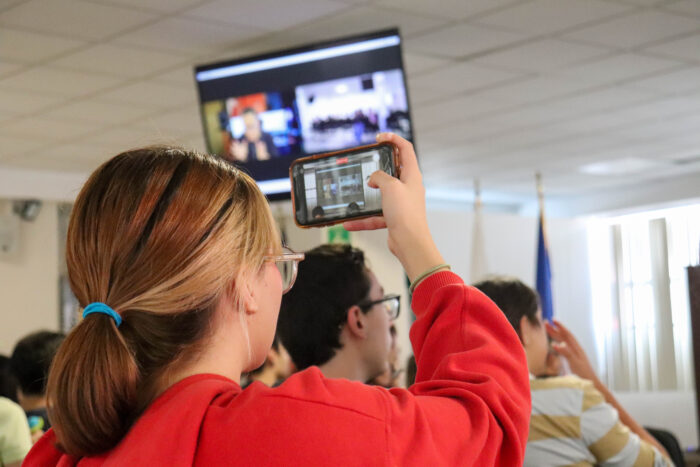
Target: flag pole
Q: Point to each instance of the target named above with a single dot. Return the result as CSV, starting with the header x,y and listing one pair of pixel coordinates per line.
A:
x,y
477,194
540,192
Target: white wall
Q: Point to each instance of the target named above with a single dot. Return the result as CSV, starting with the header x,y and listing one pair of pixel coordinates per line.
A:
x,y
672,410
29,297
510,243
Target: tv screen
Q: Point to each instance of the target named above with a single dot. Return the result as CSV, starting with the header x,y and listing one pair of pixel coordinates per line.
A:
x,y
263,112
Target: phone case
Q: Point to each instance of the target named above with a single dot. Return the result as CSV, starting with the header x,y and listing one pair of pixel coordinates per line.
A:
x,y
395,153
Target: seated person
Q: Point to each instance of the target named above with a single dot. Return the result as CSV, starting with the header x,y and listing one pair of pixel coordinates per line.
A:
x,y
277,367
337,317
8,380
390,378
573,421
15,440
30,361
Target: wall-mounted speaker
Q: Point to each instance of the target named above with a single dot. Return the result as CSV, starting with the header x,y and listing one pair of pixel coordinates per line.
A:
x,y
26,209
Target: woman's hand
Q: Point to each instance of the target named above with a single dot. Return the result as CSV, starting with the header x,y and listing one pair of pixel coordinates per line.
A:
x,y
403,204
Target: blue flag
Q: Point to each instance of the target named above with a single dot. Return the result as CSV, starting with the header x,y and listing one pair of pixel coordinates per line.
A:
x,y
544,274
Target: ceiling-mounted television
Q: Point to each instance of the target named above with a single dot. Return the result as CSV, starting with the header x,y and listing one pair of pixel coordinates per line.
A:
x,y
263,112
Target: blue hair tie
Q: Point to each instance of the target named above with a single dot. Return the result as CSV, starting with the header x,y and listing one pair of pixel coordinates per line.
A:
x,y
97,307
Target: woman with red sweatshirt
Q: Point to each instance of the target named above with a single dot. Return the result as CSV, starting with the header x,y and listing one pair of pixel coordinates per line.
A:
x,y
173,256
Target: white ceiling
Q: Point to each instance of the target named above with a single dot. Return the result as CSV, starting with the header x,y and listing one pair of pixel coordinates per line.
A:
x,y
500,88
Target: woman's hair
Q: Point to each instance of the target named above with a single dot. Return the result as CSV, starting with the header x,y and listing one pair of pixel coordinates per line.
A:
x,y
159,234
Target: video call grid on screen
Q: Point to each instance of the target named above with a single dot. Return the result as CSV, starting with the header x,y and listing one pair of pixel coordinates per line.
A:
x,y
297,103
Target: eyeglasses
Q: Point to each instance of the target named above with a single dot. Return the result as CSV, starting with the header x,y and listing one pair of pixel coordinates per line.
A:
x,y
287,263
392,304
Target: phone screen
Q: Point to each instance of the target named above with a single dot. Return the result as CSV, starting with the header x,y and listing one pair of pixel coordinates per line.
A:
x,y
330,189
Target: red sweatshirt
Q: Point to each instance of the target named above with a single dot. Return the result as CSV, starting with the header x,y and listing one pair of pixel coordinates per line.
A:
x,y
470,405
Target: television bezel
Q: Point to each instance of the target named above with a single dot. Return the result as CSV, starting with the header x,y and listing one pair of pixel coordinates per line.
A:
x,y
297,50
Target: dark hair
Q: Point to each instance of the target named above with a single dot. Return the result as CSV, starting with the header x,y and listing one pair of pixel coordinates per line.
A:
x,y
331,279
248,110
8,380
514,298
31,360
411,370
159,234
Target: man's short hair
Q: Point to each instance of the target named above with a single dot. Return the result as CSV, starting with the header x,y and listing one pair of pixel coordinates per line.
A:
x,y
331,279
513,297
31,360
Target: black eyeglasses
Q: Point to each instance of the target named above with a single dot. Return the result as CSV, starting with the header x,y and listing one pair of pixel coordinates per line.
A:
x,y
392,304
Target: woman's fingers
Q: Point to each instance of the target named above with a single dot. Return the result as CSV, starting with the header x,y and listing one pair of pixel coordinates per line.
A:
x,y
372,223
407,155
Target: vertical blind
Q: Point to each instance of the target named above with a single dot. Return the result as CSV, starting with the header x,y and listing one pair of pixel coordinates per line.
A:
x,y
641,311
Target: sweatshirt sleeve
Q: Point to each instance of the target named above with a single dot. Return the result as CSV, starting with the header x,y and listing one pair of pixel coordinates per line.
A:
x,y
470,404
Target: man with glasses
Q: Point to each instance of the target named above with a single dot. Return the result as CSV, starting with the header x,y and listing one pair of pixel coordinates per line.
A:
x,y
337,316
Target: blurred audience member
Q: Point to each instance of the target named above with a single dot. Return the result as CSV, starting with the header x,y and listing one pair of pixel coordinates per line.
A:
x,y
411,371
15,440
390,377
8,380
277,367
31,360
337,317
592,432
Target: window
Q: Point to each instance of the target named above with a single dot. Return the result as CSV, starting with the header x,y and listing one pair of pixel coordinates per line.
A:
x,y
640,297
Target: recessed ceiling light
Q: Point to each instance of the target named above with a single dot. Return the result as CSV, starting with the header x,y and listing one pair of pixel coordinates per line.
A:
x,y
627,165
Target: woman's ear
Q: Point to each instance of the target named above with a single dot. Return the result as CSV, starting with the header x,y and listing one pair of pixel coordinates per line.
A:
x,y
243,289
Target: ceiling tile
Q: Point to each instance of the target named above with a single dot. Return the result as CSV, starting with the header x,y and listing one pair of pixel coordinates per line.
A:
x,y
118,60
7,67
534,89
32,47
687,48
165,6
181,76
464,77
47,129
548,16
14,146
543,55
446,113
52,81
181,122
617,68
419,63
448,9
149,94
687,79
20,102
462,40
74,19
93,110
365,19
62,162
189,36
119,139
636,29
286,14
685,7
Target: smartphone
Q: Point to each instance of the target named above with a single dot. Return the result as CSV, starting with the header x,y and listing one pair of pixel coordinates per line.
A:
x,y
331,188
